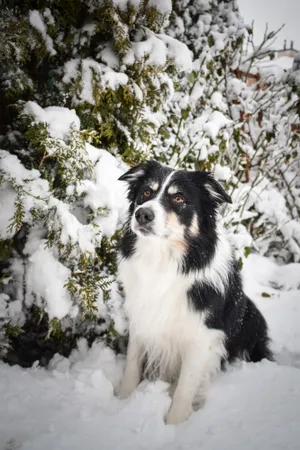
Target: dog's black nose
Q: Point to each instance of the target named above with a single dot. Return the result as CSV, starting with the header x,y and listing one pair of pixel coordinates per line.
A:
x,y
144,216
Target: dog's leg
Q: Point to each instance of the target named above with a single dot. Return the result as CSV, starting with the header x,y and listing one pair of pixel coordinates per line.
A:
x,y
132,374
187,386
198,363
200,397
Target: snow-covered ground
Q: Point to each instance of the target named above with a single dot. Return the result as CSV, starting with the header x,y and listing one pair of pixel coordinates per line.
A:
x,y
251,406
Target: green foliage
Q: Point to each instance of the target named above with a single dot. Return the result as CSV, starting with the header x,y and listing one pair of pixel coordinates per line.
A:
x,y
8,333
116,113
115,116
68,159
18,218
240,263
85,282
5,249
247,251
55,329
107,252
11,330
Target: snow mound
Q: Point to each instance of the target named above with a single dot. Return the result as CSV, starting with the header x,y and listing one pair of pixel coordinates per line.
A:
x,y
72,404
59,119
46,277
98,208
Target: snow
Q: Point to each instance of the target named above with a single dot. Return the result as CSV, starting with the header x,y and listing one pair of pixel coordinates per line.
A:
x,y
35,193
45,279
47,13
70,70
89,72
272,205
157,49
218,40
59,119
282,308
104,197
196,93
11,165
218,101
179,52
108,56
222,173
152,48
36,20
101,191
111,193
163,6
104,191
270,70
89,28
7,200
71,230
71,405
285,62
4,298
216,121
123,4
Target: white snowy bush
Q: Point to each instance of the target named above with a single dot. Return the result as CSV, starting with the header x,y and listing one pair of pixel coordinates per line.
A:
x,y
246,133
99,93
64,226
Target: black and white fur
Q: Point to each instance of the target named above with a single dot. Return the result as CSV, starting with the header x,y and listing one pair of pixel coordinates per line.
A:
x,y
183,292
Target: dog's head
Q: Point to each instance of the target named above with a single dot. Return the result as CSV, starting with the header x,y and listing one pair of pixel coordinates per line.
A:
x,y
172,204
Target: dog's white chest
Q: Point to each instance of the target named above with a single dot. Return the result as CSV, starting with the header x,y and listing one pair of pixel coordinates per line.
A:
x,y
156,297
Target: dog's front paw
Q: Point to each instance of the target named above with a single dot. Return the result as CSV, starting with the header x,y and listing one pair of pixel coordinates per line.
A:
x,y
177,415
124,393
126,389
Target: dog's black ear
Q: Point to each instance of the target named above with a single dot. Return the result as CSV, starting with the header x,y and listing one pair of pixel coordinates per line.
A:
x,y
139,171
216,190
134,173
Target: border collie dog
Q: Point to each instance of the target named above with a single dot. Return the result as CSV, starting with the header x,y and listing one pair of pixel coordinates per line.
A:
x,y
184,299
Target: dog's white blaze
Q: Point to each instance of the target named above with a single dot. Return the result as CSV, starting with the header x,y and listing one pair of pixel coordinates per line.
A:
x,y
159,224
165,184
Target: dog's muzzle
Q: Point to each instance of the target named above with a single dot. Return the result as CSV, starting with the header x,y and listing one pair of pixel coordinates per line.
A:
x,y
144,217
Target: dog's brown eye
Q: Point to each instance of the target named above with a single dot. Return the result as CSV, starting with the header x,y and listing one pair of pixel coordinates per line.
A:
x,y
147,193
178,198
